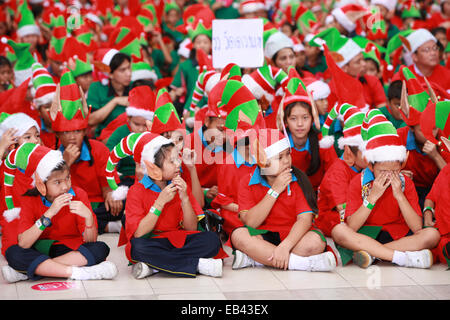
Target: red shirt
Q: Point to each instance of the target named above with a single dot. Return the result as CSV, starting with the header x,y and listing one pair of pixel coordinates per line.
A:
x,y
67,228
423,167
141,197
334,186
92,178
207,160
440,76
301,158
22,184
373,91
440,195
386,212
284,212
230,175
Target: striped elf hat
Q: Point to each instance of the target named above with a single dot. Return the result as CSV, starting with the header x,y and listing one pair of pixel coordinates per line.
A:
x,y
436,115
141,103
381,141
265,81
43,84
33,159
70,111
166,117
231,72
353,120
140,146
26,24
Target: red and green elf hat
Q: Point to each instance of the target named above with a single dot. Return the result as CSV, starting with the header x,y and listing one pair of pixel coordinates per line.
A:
x,y
228,98
375,26
43,84
436,115
141,146
71,111
22,67
32,158
26,24
58,39
381,141
353,120
265,81
297,14
411,10
126,41
166,117
418,97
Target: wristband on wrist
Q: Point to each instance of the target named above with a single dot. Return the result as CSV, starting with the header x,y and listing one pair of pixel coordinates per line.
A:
x,y
155,211
40,225
368,205
273,193
428,208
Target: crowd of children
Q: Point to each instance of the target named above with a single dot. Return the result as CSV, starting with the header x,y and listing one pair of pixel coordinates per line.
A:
x,y
114,120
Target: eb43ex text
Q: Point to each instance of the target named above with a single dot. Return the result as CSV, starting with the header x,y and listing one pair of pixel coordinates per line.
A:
x,y
228,309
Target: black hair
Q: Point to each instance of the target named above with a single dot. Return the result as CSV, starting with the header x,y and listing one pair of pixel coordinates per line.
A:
x,y
34,192
395,90
437,30
117,60
143,82
193,57
313,136
5,62
376,63
307,188
161,154
354,149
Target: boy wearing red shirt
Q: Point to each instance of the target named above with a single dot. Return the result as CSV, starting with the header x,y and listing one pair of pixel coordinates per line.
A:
x,y
57,234
382,197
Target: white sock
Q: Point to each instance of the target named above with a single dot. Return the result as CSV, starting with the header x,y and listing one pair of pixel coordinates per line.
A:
x,y
79,273
114,226
298,263
399,258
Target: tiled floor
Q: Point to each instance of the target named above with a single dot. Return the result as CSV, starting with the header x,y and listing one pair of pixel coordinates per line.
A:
x,y
380,281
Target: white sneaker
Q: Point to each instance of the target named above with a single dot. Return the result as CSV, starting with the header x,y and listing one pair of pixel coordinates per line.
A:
x,y
104,270
422,259
11,275
241,260
141,270
114,226
322,262
210,267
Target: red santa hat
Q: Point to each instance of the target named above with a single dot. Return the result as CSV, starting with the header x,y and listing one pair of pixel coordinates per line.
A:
x,y
141,103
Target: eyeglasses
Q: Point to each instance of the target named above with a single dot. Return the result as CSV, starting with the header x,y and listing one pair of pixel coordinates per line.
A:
x,y
429,49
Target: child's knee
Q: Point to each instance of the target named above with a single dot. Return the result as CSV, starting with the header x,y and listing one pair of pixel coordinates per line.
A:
x,y
240,238
340,233
311,244
431,237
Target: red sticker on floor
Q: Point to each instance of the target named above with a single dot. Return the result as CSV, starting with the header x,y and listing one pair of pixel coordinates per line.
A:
x,y
54,286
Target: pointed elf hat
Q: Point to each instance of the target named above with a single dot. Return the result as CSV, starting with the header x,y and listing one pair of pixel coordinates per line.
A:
x,y
353,120
417,98
381,141
33,159
348,15
297,14
58,39
22,67
166,117
141,103
436,115
197,20
228,98
126,40
141,146
342,49
74,50
69,110
265,81
375,26
26,23
410,9
43,84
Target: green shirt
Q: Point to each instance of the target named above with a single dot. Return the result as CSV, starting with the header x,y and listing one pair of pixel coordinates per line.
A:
x,y
98,96
320,67
226,12
178,36
160,62
126,166
397,123
189,72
